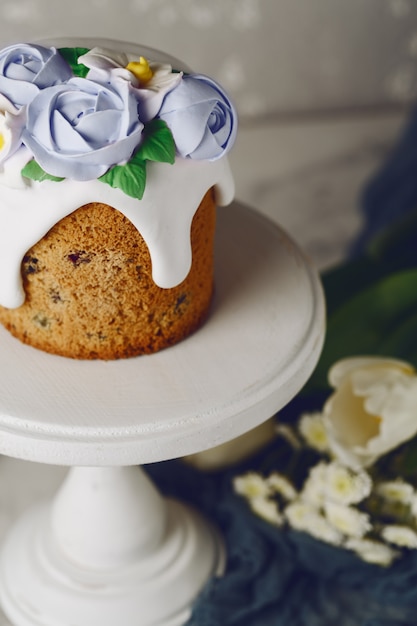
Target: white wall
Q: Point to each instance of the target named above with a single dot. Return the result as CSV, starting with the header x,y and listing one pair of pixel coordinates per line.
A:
x,y
275,56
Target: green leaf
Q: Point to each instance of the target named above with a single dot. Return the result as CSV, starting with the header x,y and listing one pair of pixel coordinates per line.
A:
x,y
130,178
404,460
34,171
71,56
157,143
379,320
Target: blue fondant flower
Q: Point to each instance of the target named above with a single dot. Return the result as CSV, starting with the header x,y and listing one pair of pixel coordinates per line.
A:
x,y
201,117
81,129
26,68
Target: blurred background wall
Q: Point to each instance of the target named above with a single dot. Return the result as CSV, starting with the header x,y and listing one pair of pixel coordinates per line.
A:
x,y
323,88
275,56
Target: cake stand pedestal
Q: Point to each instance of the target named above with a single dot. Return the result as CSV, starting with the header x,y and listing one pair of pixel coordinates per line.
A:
x,y
109,548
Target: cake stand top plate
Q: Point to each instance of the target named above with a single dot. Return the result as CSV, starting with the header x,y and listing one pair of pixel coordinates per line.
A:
x,y
258,347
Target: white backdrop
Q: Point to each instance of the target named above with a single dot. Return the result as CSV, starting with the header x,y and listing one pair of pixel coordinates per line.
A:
x,y
274,56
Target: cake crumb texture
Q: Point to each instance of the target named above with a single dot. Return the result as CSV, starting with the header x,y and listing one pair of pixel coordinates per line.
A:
x,y
89,288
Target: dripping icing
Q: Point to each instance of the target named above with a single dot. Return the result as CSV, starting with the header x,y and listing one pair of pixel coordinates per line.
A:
x,y
26,215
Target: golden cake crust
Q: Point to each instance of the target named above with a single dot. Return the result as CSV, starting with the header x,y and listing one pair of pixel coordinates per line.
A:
x,y
89,288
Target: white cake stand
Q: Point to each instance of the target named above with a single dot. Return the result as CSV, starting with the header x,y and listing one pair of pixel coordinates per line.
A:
x,y
109,548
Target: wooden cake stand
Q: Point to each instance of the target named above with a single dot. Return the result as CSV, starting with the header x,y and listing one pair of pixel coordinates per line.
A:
x,y
109,549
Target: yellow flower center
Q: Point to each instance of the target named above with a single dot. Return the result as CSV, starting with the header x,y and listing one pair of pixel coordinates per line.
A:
x,y
141,70
2,141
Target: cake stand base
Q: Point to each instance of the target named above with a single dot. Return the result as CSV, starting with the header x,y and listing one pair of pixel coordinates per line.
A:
x,y
107,550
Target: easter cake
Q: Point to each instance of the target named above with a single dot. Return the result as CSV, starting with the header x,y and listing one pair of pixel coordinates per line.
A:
x,y
112,165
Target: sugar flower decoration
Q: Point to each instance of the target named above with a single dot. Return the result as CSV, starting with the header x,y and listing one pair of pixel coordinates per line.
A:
x,y
27,68
201,117
153,80
12,121
372,410
81,129
97,114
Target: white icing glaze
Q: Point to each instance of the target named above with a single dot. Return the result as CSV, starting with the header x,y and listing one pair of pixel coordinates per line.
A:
x,y
163,216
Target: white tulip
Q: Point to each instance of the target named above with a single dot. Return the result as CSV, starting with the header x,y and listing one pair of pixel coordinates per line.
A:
x,y
372,410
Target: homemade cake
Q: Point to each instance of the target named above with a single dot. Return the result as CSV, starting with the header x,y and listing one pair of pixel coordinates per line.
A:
x,y
111,168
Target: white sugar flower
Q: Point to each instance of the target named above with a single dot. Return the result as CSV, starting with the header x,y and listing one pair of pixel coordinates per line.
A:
x,y
153,79
372,410
312,428
305,517
12,121
267,510
401,536
396,491
281,485
347,520
251,485
372,551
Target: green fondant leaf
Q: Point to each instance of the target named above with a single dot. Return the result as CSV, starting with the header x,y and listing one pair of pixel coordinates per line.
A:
x,y
130,178
71,56
157,143
34,171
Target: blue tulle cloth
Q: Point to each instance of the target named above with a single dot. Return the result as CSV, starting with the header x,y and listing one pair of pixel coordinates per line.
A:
x,y
278,577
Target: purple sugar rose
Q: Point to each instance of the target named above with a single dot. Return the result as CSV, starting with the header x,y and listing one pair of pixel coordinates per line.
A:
x,y
201,117
81,129
26,68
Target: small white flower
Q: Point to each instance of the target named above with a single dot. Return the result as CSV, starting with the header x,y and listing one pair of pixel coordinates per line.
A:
x,y
299,514
281,485
251,485
401,536
345,486
335,483
305,517
312,428
12,121
314,487
267,510
372,409
347,520
396,491
372,551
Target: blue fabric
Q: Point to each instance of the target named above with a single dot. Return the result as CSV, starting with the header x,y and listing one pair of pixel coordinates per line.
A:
x,y
392,193
286,578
